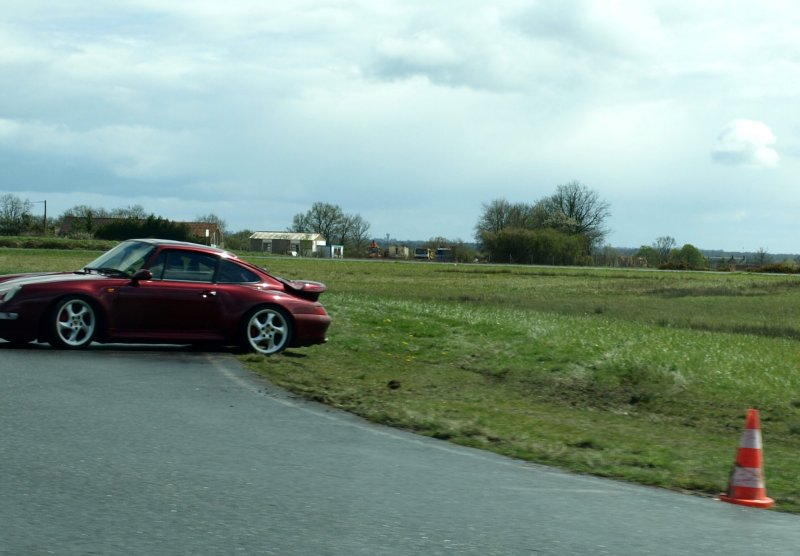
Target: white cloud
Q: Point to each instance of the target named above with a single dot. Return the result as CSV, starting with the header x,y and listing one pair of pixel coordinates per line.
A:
x,y
372,104
746,143
422,50
597,28
723,217
131,152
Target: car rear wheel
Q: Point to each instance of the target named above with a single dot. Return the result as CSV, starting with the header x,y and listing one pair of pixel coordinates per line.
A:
x,y
73,324
267,330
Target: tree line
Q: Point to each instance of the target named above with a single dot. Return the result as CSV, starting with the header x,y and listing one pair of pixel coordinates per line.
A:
x,y
560,229
567,227
94,222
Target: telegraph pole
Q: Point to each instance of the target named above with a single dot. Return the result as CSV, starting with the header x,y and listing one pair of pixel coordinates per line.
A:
x,y
44,227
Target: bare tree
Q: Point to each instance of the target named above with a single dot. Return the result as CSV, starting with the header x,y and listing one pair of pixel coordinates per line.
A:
x,y
494,218
664,246
322,218
131,211
212,218
85,211
500,214
574,208
355,232
14,212
762,256
300,223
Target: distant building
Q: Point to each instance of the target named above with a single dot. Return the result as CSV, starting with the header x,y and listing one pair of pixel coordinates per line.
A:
x,y
287,243
330,251
444,254
398,252
206,232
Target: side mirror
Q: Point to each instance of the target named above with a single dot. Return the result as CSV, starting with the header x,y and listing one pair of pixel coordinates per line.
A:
x,y
143,274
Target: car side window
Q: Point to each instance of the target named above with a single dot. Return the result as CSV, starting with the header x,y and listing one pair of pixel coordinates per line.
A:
x,y
184,266
157,268
232,273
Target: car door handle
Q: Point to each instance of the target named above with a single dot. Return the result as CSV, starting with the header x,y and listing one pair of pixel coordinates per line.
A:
x,y
208,293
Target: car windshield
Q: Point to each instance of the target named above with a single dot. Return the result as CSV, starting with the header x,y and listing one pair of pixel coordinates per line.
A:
x,y
125,258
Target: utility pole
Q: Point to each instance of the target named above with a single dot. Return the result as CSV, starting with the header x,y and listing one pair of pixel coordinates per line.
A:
x,y
44,226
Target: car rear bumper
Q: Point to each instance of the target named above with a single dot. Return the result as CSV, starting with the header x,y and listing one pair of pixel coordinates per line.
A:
x,y
310,330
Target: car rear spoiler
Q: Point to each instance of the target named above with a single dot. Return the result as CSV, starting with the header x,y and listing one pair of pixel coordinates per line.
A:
x,y
305,289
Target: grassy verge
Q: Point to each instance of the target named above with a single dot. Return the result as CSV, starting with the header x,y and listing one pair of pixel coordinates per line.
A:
x,y
641,376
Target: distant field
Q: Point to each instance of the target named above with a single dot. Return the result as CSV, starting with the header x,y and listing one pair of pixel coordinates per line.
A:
x,y
640,375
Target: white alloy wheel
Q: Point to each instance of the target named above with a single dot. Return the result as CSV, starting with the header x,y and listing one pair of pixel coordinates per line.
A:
x,y
74,324
268,330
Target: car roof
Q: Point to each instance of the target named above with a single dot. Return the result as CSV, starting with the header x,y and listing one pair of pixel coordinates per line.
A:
x,y
186,244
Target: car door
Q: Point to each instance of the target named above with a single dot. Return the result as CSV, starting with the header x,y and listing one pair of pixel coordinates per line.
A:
x,y
180,303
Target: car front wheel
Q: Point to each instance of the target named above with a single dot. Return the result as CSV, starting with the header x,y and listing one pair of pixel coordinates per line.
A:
x,y
73,324
267,330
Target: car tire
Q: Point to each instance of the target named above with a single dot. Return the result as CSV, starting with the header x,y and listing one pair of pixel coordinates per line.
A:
x,y
73,324
267,330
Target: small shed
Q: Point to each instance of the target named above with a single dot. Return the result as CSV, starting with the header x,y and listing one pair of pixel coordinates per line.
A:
x,y
331,251
206,232
398,252
287,243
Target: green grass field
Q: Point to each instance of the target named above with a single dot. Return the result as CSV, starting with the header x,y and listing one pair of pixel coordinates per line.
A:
x,y
644,376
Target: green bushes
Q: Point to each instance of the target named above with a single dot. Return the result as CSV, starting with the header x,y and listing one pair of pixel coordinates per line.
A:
x,y
687,257
779,268
543,246
152,226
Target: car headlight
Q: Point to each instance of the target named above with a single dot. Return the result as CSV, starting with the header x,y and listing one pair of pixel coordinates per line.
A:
x,y
9,294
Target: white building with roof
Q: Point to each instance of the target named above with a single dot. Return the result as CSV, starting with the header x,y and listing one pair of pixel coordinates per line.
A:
x,y
287,243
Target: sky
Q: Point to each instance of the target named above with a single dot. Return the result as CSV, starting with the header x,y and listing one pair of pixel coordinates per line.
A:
x,y
682,116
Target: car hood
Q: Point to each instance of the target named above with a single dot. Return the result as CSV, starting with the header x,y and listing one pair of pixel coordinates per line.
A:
x,y
13,280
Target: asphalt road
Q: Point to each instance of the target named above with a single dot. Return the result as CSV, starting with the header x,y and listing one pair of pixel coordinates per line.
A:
x,y
165,451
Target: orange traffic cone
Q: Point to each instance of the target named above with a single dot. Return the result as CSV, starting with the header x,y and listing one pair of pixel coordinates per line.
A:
x,y
746,486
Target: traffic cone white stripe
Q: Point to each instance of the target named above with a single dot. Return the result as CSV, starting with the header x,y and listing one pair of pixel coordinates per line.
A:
x,y
751,438
748,477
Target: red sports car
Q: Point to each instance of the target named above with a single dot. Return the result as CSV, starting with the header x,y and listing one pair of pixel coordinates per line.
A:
x,y
161,291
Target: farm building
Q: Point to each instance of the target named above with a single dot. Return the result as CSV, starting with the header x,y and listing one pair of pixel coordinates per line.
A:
x,y
398,252
330,251
287,243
